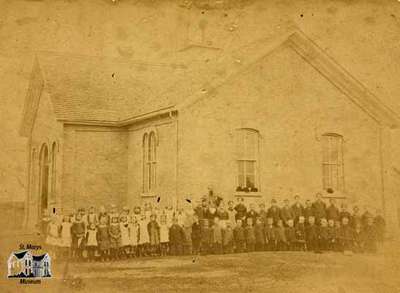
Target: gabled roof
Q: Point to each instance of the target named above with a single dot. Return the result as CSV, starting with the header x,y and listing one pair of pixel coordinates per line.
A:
x,y
99,90
321,62
20,255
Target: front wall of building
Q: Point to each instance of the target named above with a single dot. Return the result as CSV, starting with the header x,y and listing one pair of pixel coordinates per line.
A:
x,y
46,131
291,105
95,168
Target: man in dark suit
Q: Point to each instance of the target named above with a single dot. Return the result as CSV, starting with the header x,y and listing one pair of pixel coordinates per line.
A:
x,y
274,212
241,210
286,212
319,208
332,212
297,209
308,211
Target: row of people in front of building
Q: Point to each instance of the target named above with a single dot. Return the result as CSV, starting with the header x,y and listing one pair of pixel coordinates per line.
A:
x,y
114,235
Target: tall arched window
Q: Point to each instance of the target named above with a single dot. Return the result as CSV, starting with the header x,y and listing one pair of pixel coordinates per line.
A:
x,y
332,162
247,146
53,171
149,161
44,178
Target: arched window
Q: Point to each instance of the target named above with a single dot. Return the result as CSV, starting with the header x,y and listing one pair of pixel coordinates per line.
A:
x,y
44,178
149,161
247,146
53,171
332,162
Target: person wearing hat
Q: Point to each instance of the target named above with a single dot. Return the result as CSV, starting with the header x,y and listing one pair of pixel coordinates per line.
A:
x,y
274,212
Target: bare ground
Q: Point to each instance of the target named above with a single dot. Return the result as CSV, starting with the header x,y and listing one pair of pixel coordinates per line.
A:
x,y
254,272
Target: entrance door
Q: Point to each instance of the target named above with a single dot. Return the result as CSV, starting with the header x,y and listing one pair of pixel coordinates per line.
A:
x,y
44,180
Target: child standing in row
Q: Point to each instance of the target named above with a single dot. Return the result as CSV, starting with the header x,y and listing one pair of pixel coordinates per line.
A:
x,y
115,237
103,238
91,241
134,236
65,235
164,235
154,235
125,239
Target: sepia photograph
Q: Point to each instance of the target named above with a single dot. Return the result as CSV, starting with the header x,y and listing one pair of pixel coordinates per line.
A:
x,y
173,146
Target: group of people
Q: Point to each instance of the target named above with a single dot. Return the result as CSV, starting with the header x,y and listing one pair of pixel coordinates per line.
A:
x,y
212,227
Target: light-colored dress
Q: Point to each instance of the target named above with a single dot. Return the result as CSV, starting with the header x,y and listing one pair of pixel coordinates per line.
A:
x,y
52,235
66,238
91,239
164,233
134,233
125,240
143,233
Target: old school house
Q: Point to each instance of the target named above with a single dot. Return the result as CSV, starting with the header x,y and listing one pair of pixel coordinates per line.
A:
x,y
276,119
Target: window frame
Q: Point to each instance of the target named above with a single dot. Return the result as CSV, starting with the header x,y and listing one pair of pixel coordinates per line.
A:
x,y
336,166
242,146
149,157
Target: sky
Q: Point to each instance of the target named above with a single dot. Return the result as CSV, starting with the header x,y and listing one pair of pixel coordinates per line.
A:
x,y
362,36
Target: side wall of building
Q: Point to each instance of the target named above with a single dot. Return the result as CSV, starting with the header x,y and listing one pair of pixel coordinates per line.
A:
x,y
291,106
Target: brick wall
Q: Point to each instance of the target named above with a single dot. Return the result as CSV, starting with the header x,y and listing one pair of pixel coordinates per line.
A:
x,y
166,163
95,167
291,105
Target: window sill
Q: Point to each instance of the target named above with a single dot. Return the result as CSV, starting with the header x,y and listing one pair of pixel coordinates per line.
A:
x,y
247,194
147,195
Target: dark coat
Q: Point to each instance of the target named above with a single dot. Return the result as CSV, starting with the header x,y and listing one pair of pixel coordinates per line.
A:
x,y
332,212
241,211
202,212
176,234
274,213
239,234
323,233
286,214
311,233
300,232
103,237
259,232
250,235
196,232
308,212
154,232
280,235
297,211
319,209
290,233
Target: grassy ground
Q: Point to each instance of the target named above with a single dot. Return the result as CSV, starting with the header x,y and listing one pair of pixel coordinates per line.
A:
x,y
254,272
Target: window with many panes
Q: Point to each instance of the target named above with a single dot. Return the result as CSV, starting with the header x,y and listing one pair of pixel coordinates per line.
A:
x,y
247,147
332,162
149,161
